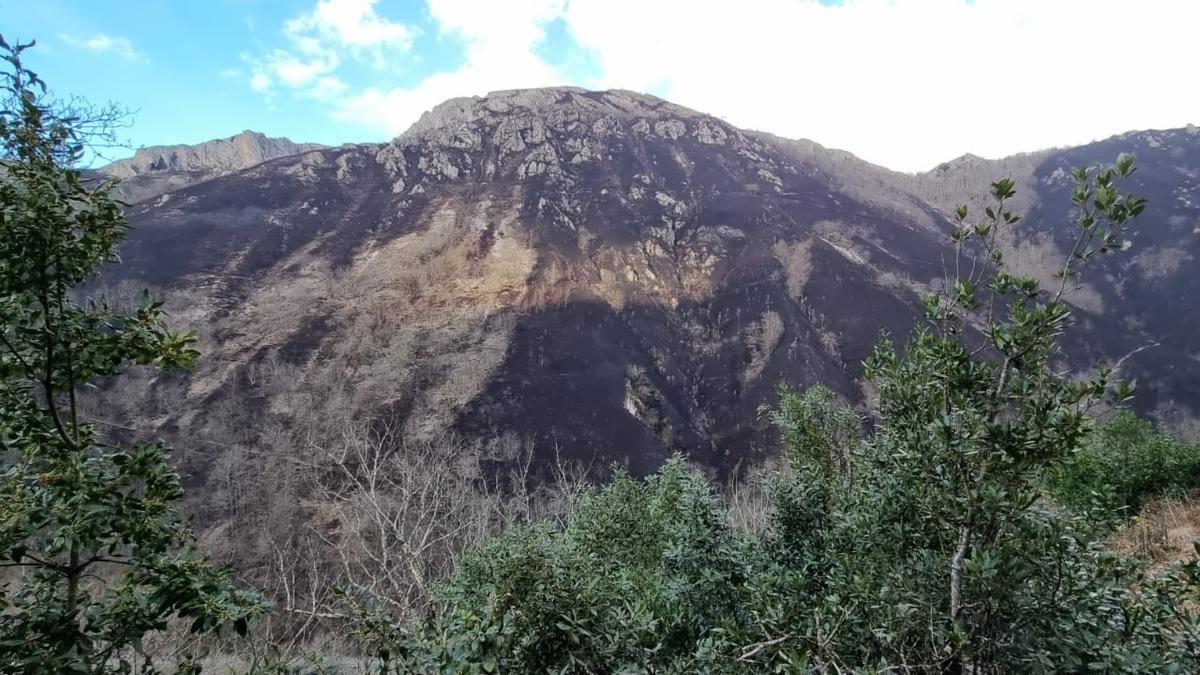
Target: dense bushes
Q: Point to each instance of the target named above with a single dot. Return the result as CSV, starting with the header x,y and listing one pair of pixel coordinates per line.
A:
x,y
639,577
1125,462
649,577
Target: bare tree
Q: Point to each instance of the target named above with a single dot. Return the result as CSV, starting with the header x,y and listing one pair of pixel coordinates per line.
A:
x,y
392,514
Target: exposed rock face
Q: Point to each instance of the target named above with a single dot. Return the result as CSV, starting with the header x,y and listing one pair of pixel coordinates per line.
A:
x,y
604,272
606,275
159,169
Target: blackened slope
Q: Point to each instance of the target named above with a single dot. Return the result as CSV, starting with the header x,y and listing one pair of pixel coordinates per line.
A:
x,y
1128,307
607,274
676,359
1147,290
241,225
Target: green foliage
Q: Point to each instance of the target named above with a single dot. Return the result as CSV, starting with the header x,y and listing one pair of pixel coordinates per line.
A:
x,y
1122,464
635,581
95,553
817,427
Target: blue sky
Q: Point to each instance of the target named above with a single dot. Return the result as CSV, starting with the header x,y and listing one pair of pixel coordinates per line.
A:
x,y
904,83
187,74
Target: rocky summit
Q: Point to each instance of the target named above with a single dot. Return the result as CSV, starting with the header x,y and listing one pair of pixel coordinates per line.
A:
x,y
601,276
159,169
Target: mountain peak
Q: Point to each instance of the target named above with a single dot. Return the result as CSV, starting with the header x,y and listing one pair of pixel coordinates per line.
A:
x,y
544,132
222,155
968,159
551,104
158,169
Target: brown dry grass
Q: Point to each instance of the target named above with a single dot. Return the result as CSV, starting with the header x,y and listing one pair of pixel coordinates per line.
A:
x,y
1158,263
413,314
762,338
1041,259
796,259
1164,532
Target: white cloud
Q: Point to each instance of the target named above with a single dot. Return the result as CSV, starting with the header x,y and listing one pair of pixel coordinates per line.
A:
x,y
499,39
514,24
351,25
260,82
904,83
908,83
101,43
350,22
318,41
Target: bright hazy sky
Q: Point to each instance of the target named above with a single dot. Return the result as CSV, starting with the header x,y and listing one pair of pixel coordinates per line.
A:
x,y
903,83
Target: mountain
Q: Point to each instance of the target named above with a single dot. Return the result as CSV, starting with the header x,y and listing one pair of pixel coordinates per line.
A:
x,y
156,170
603,277
1128,304
1133,304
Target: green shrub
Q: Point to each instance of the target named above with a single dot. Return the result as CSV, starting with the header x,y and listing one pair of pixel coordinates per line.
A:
x,y
94,555
640,575
1124,463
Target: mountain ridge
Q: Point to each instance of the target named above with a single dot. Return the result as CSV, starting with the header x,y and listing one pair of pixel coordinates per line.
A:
x,y
604,270
156,170
615,238
221,156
